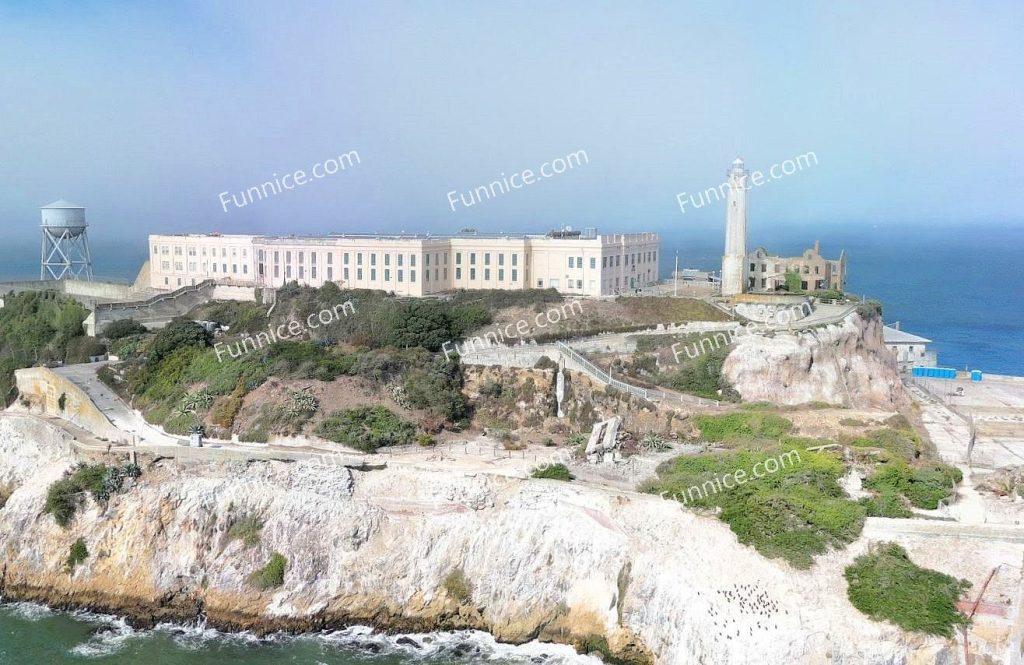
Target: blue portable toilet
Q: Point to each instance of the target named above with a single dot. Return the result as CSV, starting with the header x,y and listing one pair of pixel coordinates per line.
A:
x,y
975,375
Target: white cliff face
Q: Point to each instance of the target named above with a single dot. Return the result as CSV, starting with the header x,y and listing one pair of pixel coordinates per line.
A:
x,y
543,558
846,364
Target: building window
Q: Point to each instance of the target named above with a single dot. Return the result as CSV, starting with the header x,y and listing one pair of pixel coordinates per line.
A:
x,y
487,259
540,283
458,273
399,260
312,258
373,273
245,269
487,274
344,258
288,256
373,259
458,258
359,259
412,275
579,261
359,274
426,261
472,258
571,260
515,275
330,258
593,262
472,273
387,259
501,275
399,275
412,262
501,259
515,259
387,274
330,274
288,272
344,274
277,270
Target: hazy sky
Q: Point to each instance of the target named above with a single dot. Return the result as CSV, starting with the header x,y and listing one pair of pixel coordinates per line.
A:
x,y
145,112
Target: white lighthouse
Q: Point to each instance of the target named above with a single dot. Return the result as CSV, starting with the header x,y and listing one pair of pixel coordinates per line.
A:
x,y
65,251
734,262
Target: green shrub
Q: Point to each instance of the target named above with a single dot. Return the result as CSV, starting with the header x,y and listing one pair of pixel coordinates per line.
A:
x,y
177,334
924,486
62,401
65,496
870,309
545,363
457,586
271,575
490,388
886,503
78,553
366,428
742,426
904,444
552,472
886,586
123,328
795,513
246,528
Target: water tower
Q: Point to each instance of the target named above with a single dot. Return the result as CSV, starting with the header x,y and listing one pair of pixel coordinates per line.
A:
x,y
65,242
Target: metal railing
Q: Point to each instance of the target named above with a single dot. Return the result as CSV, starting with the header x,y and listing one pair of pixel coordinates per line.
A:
x,y
587,367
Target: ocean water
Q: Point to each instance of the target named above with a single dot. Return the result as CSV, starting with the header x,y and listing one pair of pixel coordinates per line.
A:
x,y
958,286
34,635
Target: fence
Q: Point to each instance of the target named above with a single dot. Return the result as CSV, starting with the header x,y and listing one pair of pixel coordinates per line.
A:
x,y
587,367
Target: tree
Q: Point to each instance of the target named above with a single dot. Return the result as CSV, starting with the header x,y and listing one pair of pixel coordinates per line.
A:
x,y
178,333
793,281
123,328
423,324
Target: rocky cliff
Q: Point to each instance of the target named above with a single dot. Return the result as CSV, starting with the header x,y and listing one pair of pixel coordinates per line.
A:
x,y
846,364
539,558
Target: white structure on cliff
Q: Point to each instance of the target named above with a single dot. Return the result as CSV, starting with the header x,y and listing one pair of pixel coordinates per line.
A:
x,y
65,250
735,258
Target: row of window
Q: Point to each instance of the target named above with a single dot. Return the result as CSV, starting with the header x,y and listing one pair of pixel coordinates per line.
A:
x,y
207,267
779,268
487,274
164,250
487,259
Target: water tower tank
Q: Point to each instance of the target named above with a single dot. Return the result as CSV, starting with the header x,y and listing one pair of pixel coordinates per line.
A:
x,y
64,218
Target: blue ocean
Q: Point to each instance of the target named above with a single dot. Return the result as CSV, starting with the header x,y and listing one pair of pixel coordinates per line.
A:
x,y
958,286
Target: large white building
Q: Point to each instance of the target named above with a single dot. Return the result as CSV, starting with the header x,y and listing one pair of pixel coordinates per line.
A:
x,y
578,263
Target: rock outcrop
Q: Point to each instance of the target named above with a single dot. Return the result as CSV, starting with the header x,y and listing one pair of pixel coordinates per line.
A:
x,y
540,559
845,364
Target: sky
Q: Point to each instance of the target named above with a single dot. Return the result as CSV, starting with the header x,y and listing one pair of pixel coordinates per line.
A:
x,y
146,112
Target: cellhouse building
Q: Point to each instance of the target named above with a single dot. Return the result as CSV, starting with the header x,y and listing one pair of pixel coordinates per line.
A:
x,y
581,263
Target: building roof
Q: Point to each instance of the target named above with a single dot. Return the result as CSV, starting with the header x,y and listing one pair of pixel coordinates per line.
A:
x,y
61,203
896,336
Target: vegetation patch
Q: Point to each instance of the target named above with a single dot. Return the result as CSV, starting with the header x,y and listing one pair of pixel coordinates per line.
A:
x,y
65,496
367,428
77,554
246,528
902,444
457,586
553,472
924,485
795,513
271,575
742,426
886,585
887,503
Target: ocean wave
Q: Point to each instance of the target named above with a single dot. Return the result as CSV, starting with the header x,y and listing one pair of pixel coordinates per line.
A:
x,y
111,634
